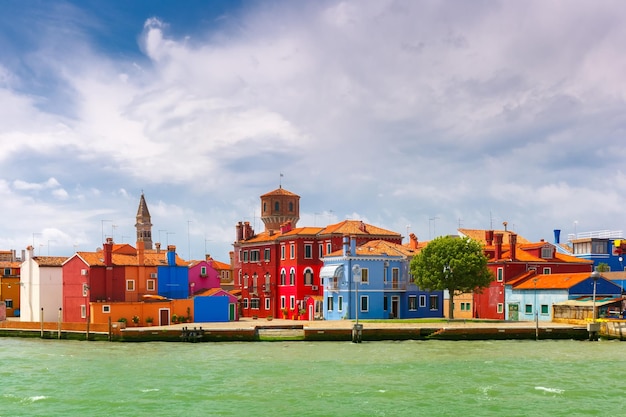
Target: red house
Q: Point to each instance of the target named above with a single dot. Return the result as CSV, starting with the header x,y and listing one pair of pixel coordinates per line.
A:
x,y
277,270
514,258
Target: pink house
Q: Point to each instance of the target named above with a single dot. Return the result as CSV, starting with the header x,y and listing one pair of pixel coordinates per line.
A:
x,y
202,276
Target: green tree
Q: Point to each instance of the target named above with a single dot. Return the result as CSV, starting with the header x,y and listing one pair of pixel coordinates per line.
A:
x,y
603,267
458,265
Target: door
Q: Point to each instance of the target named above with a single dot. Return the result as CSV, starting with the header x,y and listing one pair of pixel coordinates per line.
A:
x,y
395,307
164,317
514,312
231,312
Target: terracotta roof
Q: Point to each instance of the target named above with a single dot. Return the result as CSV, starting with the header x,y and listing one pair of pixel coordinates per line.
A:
x,y
7,264
479,235
356,227
380,248
151,258
50,260
280,191
220,265
553,281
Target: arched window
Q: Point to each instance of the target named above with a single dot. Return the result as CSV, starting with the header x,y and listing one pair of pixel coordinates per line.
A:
x,y
283,277
276,206
291,206
292,277
264,206
308,277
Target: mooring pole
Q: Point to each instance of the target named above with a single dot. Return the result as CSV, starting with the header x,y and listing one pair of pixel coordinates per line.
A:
x,y
41,321
59,324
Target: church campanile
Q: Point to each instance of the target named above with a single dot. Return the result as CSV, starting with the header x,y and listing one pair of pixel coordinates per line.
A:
x,y
143,225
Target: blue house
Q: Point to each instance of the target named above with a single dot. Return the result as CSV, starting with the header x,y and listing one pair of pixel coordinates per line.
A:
x,y
373,282
173,278
603,246
537,294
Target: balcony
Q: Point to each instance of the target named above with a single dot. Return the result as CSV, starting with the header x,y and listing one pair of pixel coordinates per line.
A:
x,y
395,285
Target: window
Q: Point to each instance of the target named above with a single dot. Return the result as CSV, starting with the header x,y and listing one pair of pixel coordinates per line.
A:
x,y
283,302
268,282
245,303
282,251
203,271
546,252
321,254
599,247
83,311
255,282
528,309
308,251
385,305
255,255
365,276
267,303
465,307
329,248
500,276
254,303
500,308
266,255
292,251
130,285
412,303
290,206
239,277
364,302
265,207
9,302
150,285
245,256
106,308
329,303
340,303
544,309
276,206
422,301
434,302
85,289
547,271
245,281
308,277
292,302
292,277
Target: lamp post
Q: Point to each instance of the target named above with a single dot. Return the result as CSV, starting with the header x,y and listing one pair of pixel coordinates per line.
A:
x,y
536,311
447,272
593,328
357,331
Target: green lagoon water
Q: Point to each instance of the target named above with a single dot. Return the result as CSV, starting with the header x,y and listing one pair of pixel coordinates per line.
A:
x,y
410,378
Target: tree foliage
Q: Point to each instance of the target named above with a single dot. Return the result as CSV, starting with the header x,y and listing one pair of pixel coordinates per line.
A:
x,y
458,265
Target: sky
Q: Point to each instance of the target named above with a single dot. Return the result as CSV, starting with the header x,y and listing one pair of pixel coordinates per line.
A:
x,y
415,116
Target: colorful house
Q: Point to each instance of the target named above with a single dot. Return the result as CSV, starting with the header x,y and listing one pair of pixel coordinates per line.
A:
x,y
277,270
215,305
372,281
174,277
10,287
535,295
203,276
510,257
41,287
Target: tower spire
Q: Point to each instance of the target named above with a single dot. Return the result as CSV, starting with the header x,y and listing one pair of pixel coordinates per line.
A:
x,y
143,225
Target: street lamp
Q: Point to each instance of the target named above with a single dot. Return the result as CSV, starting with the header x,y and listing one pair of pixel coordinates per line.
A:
x,y
593,328
536,311
447,272
357,331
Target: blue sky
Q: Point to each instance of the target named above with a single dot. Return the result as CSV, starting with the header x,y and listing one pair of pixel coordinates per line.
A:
x,y
416,116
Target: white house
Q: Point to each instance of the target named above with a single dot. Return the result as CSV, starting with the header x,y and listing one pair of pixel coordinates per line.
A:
x,y
41,280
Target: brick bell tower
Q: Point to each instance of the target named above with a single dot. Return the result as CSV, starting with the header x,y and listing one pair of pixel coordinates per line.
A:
x,y
143,225
279,207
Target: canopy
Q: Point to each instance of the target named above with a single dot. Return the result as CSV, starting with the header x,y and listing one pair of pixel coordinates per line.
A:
x,y
331,271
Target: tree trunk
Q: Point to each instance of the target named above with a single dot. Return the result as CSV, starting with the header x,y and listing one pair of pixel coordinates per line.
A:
x,y
451,305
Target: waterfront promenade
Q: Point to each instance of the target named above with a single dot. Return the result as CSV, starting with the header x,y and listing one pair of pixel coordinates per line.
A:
x,y
248,329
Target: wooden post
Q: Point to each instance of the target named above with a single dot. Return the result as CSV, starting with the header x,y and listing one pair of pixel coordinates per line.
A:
x,y
41,321
110,330
59,325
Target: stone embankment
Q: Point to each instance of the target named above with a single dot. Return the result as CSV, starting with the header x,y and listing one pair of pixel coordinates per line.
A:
x,y
342,330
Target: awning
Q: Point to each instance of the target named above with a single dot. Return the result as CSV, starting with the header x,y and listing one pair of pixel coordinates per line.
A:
x,y
331,271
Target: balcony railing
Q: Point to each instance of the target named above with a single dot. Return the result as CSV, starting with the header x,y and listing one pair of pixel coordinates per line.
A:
x,y
395,285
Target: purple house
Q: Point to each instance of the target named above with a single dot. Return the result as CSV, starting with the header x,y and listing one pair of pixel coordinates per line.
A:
x,y
202,276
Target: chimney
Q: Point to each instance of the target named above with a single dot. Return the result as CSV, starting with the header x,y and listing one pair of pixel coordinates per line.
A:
x,y
158,247
489,237
108,252
346,245
171,255
413,242
362,227
498,243
30,252
353,245
557,236
141,246
505,224
239,229
285,227
513,244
